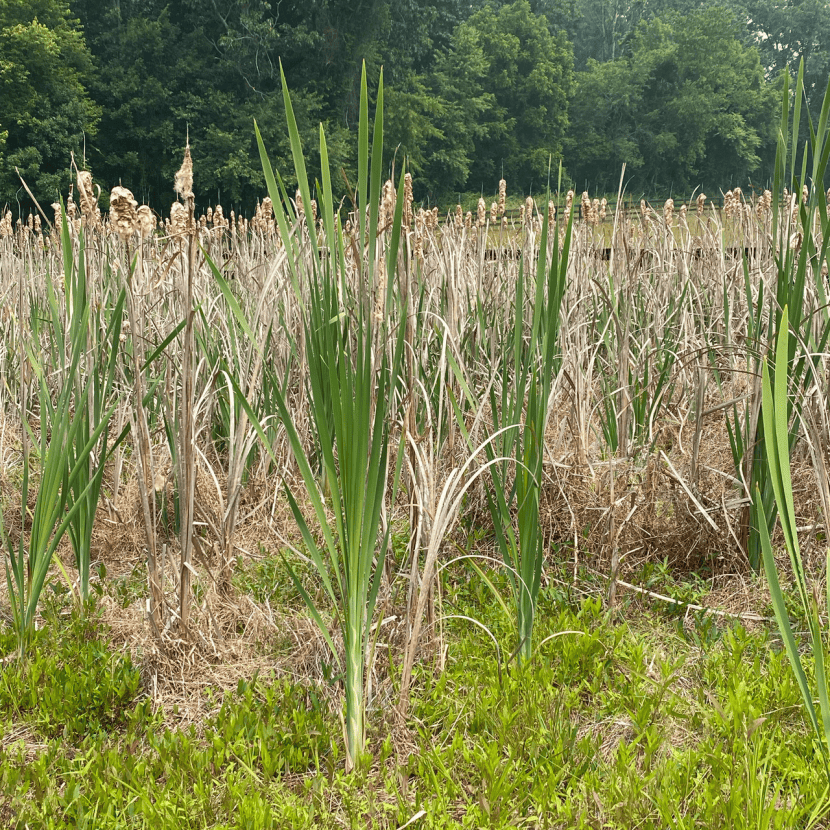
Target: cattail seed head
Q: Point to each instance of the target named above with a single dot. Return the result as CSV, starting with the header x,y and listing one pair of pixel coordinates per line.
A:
x,y
481,213
178,219
123,212
586,207
494,213
668,212
387,206
71,207
701,202
146,221
502,196
407,201
764,204
183,182
88,197
569,200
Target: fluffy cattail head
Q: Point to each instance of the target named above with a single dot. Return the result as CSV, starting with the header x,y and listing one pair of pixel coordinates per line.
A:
x,y
701,202
146,221
183,182
459,217
71,207
481,213
123,212
88,197
387,206
764,204
551,214
569,200
502,196
668,212
178,219
528,214
494,212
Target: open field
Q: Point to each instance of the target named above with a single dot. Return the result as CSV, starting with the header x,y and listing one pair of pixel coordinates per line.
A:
x,y
381,520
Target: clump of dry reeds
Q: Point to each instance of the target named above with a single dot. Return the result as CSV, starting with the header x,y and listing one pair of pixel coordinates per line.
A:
x,y
654,353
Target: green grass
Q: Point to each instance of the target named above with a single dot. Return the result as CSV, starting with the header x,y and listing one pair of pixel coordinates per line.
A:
x,y
618,725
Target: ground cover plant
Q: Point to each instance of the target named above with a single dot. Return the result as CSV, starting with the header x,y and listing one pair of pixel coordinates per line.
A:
x,y
352,514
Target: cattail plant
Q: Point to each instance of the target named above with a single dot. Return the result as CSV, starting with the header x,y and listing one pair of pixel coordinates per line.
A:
x,y
186,450
528,362
353,379
67,440
805,299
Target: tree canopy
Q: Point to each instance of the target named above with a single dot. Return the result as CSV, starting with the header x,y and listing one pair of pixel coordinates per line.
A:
x,y
683,93
46,111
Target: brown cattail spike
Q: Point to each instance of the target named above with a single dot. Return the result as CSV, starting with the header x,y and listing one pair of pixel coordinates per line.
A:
x,y
183,183
123,212
146,221
407,201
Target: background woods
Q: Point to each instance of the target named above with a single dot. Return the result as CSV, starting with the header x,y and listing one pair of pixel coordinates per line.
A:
x,y
683,93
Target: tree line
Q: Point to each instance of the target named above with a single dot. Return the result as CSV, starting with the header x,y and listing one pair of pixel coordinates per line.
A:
x,y
686,94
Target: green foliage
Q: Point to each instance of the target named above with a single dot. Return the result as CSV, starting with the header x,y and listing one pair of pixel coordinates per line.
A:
x,y
71,685
439,119
530,74
46,111
686,106
66,486
353,379
787,33
610,725
474,91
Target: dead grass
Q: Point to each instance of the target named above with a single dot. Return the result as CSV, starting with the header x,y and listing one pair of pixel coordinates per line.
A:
x,y
466,279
